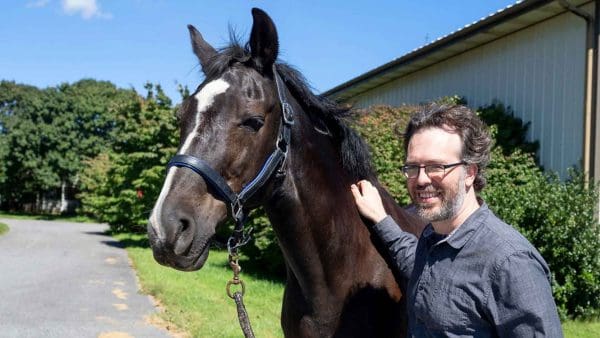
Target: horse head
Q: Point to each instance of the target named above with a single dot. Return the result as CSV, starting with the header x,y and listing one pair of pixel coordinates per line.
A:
x,y
230,126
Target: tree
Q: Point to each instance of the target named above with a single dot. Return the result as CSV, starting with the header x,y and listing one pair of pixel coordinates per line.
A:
x,y
121,184
47,133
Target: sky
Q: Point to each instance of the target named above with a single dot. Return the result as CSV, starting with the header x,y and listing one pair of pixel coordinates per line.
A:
x,y
132,42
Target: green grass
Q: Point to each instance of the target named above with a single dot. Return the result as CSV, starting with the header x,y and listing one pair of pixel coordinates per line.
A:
x,y
3,228
197,303
46,217
578,329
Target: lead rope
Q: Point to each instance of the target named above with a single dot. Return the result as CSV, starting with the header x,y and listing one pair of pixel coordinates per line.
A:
x,y
237,240
237,296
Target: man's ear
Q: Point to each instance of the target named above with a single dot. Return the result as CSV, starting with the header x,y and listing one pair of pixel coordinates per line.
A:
x,y
472,171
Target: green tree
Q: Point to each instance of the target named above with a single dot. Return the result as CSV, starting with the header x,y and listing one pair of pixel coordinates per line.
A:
x,y
49,132
25,115
121,184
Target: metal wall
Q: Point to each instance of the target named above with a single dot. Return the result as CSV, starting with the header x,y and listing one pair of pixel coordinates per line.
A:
x,y
539,72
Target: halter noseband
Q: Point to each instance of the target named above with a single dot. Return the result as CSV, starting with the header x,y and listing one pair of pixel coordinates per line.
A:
x,y
218,183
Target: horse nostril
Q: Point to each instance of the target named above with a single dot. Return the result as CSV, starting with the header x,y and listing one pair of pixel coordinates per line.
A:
x,y
185,237
184,225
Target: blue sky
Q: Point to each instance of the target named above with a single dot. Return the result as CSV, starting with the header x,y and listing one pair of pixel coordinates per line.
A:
x,y
131,42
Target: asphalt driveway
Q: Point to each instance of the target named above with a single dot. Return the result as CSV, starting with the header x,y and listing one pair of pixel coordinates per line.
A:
x,y
60,279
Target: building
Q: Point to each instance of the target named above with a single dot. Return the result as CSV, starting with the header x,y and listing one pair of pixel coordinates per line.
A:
x,y
539,57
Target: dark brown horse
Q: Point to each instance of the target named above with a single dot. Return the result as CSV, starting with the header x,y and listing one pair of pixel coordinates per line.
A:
x,y
338,284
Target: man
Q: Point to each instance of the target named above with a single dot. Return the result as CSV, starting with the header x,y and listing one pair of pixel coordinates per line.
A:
x,y
469,274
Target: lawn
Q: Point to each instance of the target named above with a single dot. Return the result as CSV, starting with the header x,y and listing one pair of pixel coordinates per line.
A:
x,y
577,329
197,303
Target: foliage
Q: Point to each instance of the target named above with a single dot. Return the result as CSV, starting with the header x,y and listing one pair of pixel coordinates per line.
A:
x,y
558,217
381,127
45,135
120,185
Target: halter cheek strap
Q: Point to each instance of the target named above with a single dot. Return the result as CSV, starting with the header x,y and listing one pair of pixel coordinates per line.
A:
x,y
237,200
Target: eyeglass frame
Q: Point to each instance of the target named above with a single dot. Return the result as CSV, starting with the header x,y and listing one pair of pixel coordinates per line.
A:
x,y
444,167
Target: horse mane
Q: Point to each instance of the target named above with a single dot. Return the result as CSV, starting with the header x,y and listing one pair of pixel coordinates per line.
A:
x,y
354,152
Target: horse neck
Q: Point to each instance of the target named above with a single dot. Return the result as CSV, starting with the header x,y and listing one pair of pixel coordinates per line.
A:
x,y
313,212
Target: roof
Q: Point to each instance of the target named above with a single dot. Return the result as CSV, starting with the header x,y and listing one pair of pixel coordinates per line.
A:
x,y
503,22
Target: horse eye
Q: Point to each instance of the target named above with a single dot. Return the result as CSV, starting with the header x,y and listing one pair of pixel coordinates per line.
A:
x,y
254,123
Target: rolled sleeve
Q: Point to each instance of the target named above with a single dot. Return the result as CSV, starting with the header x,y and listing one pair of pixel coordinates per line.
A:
x,y
520,300
400,244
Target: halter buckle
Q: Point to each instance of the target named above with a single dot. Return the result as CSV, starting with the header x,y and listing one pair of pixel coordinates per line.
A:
x,y
288,113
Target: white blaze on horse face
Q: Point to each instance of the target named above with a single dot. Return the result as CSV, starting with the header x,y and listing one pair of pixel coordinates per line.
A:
x,y
205,98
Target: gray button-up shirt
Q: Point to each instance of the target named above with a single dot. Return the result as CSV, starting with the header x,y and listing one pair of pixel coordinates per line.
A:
x,y
483,280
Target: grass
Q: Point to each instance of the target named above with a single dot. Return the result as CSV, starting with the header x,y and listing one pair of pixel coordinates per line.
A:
x,y
46,217
197,303
3,228
579,329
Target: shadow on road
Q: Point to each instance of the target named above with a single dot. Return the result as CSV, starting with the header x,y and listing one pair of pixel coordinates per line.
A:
x,y
128,243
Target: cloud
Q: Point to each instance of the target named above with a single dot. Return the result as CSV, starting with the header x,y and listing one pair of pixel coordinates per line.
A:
x,y
37,3
86,8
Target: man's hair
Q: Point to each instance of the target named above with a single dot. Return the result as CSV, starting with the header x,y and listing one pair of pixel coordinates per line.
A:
x,y
476,140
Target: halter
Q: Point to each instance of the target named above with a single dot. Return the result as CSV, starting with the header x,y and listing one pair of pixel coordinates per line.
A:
x,y
274,162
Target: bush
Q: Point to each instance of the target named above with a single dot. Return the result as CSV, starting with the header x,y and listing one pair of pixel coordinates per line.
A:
x,y
558,217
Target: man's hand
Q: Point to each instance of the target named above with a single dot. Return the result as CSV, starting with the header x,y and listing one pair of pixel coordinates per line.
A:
x,y
368,201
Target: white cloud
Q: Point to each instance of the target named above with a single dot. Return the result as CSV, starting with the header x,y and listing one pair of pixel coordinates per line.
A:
x,y
87,8
37,3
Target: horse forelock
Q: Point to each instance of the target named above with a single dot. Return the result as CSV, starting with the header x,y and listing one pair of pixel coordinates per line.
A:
x,y
354,152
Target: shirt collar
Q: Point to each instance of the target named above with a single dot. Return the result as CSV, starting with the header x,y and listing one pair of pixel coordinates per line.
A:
x,y
461,235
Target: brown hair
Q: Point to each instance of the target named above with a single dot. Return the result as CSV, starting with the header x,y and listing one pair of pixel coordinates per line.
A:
x,y
476,139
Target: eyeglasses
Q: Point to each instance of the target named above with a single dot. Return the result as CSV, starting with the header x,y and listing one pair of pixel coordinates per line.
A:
x,y
432,170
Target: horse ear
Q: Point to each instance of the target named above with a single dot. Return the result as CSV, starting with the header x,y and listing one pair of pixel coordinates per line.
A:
x,y
264,44
202,49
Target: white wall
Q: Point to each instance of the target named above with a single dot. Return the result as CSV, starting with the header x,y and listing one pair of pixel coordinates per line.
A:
x,y
538,71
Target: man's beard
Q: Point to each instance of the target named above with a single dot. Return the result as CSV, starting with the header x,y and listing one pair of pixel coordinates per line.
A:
x,y
452,200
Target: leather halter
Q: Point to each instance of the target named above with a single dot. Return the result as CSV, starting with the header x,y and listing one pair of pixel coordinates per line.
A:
x,y
237,200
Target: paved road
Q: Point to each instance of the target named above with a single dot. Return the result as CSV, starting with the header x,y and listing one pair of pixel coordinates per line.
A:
x,y
60,279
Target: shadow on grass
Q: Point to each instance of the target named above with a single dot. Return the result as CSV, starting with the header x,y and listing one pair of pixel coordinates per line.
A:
x,y
258,269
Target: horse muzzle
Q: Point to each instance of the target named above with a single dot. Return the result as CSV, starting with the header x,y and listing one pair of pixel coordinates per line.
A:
x,y
184,251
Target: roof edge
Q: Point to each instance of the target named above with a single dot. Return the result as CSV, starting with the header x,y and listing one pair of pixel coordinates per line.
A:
x,y
490,21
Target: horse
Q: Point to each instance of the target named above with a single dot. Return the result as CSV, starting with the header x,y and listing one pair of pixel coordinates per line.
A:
x,y
253,114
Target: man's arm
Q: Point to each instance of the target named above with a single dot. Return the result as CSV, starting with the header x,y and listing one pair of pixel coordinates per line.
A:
x,y
520,300
401,245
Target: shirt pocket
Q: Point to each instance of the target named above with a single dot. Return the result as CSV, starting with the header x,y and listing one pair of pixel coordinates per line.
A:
x,y
447,308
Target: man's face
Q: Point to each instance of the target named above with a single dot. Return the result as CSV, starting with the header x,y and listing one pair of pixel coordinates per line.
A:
x,y
436,198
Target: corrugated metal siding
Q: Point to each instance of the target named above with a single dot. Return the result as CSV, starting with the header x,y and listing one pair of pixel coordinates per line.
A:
x,y
539,72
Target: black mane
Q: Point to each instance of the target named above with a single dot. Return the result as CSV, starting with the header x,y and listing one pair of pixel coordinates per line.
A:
x,y
354,152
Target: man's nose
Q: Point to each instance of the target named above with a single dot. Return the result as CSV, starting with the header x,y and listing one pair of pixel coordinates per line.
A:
x,y
422,177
